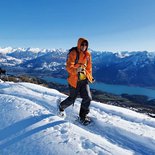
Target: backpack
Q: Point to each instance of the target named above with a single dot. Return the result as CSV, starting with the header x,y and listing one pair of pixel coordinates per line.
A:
x,y
81,76
77,54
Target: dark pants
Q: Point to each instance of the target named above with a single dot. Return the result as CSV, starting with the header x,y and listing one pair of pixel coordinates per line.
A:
x,y
84,90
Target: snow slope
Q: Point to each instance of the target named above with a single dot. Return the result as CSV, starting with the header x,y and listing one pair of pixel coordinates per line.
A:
x,y
29,126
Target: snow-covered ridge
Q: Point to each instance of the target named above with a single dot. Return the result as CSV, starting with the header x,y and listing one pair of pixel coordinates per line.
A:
x,y
14,52
7,50
17,56
106,57
30,126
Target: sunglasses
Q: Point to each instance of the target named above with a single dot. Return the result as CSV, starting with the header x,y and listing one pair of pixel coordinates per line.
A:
x,y
84,44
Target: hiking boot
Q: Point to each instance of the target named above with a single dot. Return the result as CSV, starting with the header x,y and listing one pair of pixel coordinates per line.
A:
x,y
61,112
85,121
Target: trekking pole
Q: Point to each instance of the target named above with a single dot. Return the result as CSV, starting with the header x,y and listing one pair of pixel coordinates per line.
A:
x,y
70,115
7,78
70,127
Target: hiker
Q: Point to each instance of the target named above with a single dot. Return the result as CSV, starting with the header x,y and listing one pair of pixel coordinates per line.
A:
x,y
79,68
2,72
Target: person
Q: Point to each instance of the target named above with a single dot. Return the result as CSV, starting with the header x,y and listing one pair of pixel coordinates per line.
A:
x,y
2,72
80,74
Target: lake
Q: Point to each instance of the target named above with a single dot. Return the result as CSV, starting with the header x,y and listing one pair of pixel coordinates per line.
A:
x,y
114,89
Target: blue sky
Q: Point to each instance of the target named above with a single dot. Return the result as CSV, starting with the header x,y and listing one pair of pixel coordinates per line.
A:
x,y
111,25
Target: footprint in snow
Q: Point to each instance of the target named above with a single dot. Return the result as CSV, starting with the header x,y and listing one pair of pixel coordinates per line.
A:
x,y
87,144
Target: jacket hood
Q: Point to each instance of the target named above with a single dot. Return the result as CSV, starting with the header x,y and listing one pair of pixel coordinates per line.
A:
x,y
80,42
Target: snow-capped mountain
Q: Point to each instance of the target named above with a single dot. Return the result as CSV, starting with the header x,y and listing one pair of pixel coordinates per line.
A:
x,y
6,60
137,68
30,126
6,50
131,68
49,61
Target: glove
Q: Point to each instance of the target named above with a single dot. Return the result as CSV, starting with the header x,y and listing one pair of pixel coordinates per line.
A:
x,y
93,80
80,70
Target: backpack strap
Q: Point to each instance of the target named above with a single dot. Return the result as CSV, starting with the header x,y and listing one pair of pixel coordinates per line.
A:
x,y
77,54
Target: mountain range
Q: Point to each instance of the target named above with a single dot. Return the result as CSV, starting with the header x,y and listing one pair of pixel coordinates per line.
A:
x,y
127,68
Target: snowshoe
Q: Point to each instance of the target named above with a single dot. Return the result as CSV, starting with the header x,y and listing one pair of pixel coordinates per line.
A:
x,y
85,121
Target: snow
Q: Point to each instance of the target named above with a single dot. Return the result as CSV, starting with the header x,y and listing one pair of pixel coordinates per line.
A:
x,y
30,126
6,50
9,50
1,81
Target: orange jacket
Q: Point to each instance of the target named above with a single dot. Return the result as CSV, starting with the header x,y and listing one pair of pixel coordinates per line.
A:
x,y
84,59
